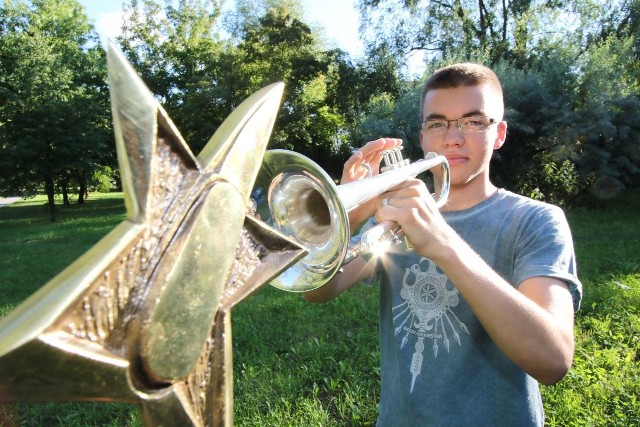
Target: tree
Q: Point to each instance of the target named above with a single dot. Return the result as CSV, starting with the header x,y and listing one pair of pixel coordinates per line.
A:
x,y
282,48
327,92
503,30
360,84
608,133
54,114
199,76
178,53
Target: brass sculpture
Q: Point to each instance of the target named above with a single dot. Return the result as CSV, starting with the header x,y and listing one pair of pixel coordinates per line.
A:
x,y
144,315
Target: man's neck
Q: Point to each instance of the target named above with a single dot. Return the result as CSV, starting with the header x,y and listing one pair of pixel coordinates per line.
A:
x,y
467,195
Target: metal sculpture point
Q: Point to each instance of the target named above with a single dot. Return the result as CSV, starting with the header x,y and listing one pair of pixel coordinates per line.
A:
x,y
144,315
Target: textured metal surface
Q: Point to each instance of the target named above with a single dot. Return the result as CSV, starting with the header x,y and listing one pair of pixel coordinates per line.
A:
x,y
144,315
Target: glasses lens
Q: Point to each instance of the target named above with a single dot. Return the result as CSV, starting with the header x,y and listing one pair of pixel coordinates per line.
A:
x,y
434,126
474,124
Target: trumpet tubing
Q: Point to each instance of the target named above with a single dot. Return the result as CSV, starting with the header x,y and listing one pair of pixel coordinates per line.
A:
x,y
300,200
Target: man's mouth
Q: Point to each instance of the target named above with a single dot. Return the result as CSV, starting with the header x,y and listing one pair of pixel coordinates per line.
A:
x,y
454,159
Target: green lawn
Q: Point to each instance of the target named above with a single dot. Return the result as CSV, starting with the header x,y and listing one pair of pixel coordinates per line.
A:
x,y
298,364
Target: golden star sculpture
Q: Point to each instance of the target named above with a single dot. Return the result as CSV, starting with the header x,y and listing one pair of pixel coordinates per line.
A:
x,y
144,315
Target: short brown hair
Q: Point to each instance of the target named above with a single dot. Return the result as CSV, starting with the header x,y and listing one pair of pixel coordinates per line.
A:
x,y
461,75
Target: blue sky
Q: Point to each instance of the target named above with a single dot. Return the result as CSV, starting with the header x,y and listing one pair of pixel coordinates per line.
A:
x,y
339,18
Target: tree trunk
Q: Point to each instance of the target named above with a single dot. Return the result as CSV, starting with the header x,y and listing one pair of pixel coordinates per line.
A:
x,y
49,187
81,195
65,193
83,191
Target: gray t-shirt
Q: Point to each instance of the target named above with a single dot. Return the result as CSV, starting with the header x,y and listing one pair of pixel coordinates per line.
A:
x,y
439,367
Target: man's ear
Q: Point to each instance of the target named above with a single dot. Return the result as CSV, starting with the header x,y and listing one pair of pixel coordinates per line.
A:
x,y
501,135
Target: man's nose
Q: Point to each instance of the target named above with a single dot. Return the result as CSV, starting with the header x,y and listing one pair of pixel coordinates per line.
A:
x,y
453,135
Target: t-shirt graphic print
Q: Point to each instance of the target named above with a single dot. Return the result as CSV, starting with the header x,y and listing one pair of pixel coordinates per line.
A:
x,y
426,316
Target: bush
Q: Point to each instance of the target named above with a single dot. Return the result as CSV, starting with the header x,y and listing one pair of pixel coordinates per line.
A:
x,y
105,180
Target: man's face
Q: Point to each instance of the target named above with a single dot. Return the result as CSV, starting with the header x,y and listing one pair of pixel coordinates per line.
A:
x,y
468,154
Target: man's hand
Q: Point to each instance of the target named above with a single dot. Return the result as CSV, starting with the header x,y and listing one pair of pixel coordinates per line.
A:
x,y
355,170
412,206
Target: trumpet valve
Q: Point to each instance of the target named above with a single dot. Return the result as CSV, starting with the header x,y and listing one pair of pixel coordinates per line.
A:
x,y
393,159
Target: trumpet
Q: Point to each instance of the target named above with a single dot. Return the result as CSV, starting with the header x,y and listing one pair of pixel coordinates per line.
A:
x,y
298,198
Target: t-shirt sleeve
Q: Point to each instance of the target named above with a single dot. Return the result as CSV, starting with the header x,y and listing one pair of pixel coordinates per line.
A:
x,y
545,248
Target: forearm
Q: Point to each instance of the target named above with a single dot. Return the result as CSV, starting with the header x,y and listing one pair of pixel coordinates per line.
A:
x,y
352,273
534,333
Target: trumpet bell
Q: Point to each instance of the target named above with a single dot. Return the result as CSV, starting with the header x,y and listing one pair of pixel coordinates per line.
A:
x,y
298,198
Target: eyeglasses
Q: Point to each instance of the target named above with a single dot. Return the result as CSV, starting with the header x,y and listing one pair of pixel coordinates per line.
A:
x,y
472,124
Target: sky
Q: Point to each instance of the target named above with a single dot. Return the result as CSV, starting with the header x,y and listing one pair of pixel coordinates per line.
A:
x,y
339,18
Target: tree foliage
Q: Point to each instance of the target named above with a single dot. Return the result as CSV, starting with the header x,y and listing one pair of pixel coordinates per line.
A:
x,y
54,114
200,79
503,30
179,55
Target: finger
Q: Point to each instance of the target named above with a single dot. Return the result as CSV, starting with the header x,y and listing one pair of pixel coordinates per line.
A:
x,y
351,166
363,162
408,195
407,188
366,160
373,151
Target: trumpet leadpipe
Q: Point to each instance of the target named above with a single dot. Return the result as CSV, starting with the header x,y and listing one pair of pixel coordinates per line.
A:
x,y
356,193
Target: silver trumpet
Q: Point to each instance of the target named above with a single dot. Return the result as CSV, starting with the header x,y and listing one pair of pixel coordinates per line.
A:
x,y
298,198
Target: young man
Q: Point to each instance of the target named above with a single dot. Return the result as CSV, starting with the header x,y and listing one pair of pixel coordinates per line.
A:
x,y
481,309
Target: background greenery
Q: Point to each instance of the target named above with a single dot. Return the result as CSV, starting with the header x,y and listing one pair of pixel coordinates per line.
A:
x,y
570,68
300,364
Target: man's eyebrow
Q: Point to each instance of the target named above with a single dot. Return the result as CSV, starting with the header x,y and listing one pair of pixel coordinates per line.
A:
x,y
436,116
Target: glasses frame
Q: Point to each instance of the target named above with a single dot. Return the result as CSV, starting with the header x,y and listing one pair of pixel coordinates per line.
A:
x,y
458,125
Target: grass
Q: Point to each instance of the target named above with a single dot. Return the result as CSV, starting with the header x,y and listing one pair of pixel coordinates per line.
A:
x,y
603,386
297,364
